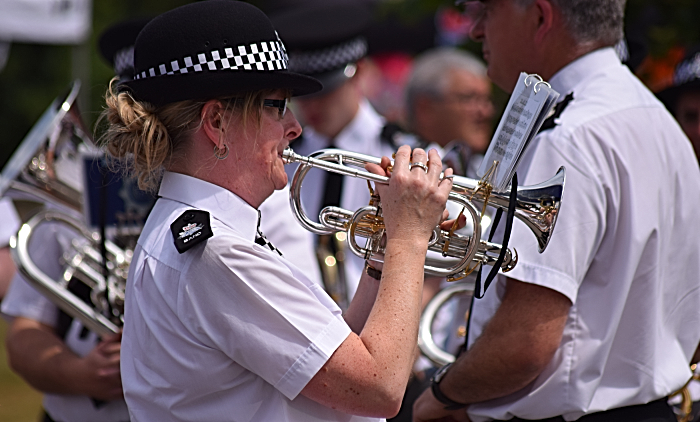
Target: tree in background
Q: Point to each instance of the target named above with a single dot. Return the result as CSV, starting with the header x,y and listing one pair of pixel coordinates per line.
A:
x,y
36,74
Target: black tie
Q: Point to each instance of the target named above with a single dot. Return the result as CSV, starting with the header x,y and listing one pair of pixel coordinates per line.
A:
x,y
456,159
332,189
261,240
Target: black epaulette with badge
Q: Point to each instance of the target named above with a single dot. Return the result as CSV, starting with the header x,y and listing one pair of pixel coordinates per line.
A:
x,y
190,229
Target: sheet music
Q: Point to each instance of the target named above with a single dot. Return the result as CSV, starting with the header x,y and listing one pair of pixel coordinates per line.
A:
x,y
527,108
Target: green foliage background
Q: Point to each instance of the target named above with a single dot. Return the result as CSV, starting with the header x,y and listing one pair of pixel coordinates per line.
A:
x,y
36,74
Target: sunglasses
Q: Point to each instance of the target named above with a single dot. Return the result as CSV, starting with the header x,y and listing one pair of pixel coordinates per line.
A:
x,y
281,106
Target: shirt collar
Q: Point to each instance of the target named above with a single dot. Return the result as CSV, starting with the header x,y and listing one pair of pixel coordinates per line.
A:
x,y
221,203
583,68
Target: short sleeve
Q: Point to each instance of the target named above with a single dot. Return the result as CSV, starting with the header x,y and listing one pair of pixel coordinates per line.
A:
x,y
46,247
244,301
9,223
580,224
22,300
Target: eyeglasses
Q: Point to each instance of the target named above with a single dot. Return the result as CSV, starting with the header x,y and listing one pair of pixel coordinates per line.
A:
x,y
473,9
469,99
281,106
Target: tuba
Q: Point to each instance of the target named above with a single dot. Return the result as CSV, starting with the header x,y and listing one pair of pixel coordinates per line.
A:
x,y
537,207
46,168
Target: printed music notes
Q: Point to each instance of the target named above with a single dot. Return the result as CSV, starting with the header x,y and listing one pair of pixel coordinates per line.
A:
x,y
529,105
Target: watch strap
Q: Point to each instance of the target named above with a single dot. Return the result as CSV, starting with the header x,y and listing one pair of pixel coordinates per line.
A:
x,y
372,272
441,397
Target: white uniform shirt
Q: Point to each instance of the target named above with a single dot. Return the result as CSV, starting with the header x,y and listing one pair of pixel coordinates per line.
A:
x,y
226,331
284,231
22,300
9,221
624,250
361,135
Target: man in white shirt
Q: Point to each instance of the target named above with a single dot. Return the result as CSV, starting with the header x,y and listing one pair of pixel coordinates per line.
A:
x,y
8,227
603,324
324,40
448,104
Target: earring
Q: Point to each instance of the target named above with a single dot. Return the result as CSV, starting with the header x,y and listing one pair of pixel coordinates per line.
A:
x,y
221,153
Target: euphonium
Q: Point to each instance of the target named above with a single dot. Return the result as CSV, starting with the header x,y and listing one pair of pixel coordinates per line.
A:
x,y
83,261
537,206
46,168
46,165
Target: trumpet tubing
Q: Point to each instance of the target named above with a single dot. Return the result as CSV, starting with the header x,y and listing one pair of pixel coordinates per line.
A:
x,y
537,206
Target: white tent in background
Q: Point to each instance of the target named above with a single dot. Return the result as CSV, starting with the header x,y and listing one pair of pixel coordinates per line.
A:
x,y
45,21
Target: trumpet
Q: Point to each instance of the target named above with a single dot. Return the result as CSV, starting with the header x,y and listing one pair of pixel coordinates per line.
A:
x,y
537,206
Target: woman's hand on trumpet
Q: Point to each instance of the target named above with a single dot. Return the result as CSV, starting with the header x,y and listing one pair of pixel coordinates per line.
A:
x,y
414,200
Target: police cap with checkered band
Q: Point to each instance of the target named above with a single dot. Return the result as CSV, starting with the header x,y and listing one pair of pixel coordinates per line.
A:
x,y
325,39
211,49
116,45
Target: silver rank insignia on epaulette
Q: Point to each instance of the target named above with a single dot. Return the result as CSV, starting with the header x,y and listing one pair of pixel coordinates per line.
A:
x,y
190,229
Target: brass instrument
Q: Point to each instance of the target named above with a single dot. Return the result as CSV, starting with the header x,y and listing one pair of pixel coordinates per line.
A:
x,y
46,167
537,206
84,262
427,345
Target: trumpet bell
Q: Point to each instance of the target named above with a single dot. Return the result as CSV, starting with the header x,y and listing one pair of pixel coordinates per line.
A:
x,y
46,165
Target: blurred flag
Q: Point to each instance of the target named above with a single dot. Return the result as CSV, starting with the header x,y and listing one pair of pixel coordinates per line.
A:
x,y
45,21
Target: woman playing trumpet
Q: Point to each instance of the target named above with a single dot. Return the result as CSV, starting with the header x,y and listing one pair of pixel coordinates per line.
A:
x,y
219,326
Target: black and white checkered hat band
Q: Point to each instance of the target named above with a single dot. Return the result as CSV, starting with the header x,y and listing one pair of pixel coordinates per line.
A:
x,y
124,60
687,71
329,58
266,56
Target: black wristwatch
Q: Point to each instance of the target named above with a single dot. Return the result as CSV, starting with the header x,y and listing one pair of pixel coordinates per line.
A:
x,y
435,387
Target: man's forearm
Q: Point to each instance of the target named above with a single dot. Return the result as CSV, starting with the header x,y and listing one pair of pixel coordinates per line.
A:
x,y
42,359
487,371
514,347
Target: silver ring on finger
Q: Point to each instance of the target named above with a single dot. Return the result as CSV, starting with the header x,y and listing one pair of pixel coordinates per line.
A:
x,y
421,165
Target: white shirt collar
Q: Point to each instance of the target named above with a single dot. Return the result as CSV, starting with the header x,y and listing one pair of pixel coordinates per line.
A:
x,y
221,203
583,68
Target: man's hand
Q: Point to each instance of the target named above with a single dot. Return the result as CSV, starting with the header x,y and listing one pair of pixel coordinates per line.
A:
x,y
427,408
100,370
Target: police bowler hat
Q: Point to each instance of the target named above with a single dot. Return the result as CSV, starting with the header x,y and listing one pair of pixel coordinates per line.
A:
x,y
210,49
116,45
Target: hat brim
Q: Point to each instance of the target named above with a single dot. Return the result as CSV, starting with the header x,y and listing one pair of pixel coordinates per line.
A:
x,y
331,80
669,96
162,90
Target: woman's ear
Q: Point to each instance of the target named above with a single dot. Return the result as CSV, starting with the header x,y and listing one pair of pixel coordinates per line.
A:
x,y
213,122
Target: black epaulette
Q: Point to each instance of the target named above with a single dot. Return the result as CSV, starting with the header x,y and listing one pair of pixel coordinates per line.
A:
x,y
550,122
190,229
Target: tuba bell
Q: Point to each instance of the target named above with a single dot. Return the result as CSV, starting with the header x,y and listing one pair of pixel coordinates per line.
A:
x,y
537,206
46,168
461,292
46,165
